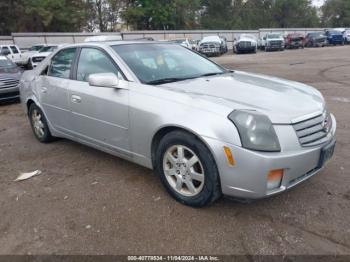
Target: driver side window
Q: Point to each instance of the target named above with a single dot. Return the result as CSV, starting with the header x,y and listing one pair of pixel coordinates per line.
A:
x,y
94,61
61,63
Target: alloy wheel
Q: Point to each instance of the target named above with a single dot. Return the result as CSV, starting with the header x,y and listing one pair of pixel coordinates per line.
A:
x,y
38,124
183,170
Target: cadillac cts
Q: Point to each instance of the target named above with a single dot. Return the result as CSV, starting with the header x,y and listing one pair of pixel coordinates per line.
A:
x,y
205,130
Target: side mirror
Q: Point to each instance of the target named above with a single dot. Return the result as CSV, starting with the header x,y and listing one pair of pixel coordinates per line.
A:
x,y
108,80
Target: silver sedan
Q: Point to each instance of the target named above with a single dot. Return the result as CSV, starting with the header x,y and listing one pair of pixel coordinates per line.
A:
x,y
205,130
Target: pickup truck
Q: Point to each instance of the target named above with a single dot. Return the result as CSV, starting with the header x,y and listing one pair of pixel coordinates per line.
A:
x,y
334,37
245,43
213,46
294,40
272,41
13,53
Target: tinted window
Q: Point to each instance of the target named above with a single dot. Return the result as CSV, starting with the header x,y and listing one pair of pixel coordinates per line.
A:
x,y
14,49
94,61
61,63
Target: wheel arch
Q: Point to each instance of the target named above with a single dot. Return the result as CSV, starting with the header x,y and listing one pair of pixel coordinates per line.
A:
x,y
161,132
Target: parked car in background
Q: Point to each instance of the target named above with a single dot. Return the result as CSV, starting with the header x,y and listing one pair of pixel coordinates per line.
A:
x,y
334,37
294,40
212,46
205,130
41,55
31,51
272,41
10,75
315,39
181,41
13,53
103,38
246,43
346,36
194,44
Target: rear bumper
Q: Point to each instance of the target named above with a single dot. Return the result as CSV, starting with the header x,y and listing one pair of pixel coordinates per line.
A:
x,y
247,179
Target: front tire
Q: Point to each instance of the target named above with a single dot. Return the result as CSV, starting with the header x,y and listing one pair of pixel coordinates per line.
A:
x,y
39,124
187,169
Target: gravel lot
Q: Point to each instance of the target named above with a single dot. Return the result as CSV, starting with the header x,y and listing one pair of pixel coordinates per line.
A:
x,y
88,202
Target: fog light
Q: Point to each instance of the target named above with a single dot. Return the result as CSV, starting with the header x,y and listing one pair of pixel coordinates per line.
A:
x,y
274,179
229,156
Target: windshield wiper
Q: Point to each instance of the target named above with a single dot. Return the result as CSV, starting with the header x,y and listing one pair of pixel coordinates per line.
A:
x,y
177,79
212,74
167,80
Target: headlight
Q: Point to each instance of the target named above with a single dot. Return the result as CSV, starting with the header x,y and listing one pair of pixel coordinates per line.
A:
x,y
255,130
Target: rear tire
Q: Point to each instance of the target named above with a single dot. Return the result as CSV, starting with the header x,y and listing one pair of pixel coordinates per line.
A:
x,y
195,185
39,124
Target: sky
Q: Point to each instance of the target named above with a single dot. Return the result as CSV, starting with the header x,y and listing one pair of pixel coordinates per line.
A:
x,y
318,3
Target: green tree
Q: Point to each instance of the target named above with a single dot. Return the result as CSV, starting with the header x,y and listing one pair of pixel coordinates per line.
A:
x,y
336,13
294,13
42,15
161,14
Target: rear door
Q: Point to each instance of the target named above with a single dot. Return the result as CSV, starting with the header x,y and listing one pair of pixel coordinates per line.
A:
x,y
53,89
99,114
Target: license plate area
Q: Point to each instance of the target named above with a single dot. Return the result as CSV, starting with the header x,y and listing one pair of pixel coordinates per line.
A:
x,y
326,154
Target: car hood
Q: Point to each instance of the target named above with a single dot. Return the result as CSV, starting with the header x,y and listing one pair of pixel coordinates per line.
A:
x,y
283,101
246,39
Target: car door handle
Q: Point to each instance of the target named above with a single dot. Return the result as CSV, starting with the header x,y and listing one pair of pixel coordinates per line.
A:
x,y
43,89
76,99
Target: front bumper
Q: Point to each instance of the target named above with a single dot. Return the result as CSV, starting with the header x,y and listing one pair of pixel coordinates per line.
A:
x,y
247,179
246,48
9,93
210,51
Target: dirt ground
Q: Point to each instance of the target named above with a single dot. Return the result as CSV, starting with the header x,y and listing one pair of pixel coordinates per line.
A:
x,y
88,202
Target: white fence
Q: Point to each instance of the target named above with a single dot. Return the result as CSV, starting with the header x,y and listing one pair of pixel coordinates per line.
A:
x,y
25,40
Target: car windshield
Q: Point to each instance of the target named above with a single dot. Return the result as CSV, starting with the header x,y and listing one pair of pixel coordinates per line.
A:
x,y
273,36
335,32
35,48
6,63
47,49
165,63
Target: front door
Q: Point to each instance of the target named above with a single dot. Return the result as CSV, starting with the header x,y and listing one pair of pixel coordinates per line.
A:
x,y
99,114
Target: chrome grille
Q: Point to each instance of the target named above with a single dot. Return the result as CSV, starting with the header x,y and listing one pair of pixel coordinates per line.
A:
x,y
244,44
38,59
8,83
276,43
314,131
